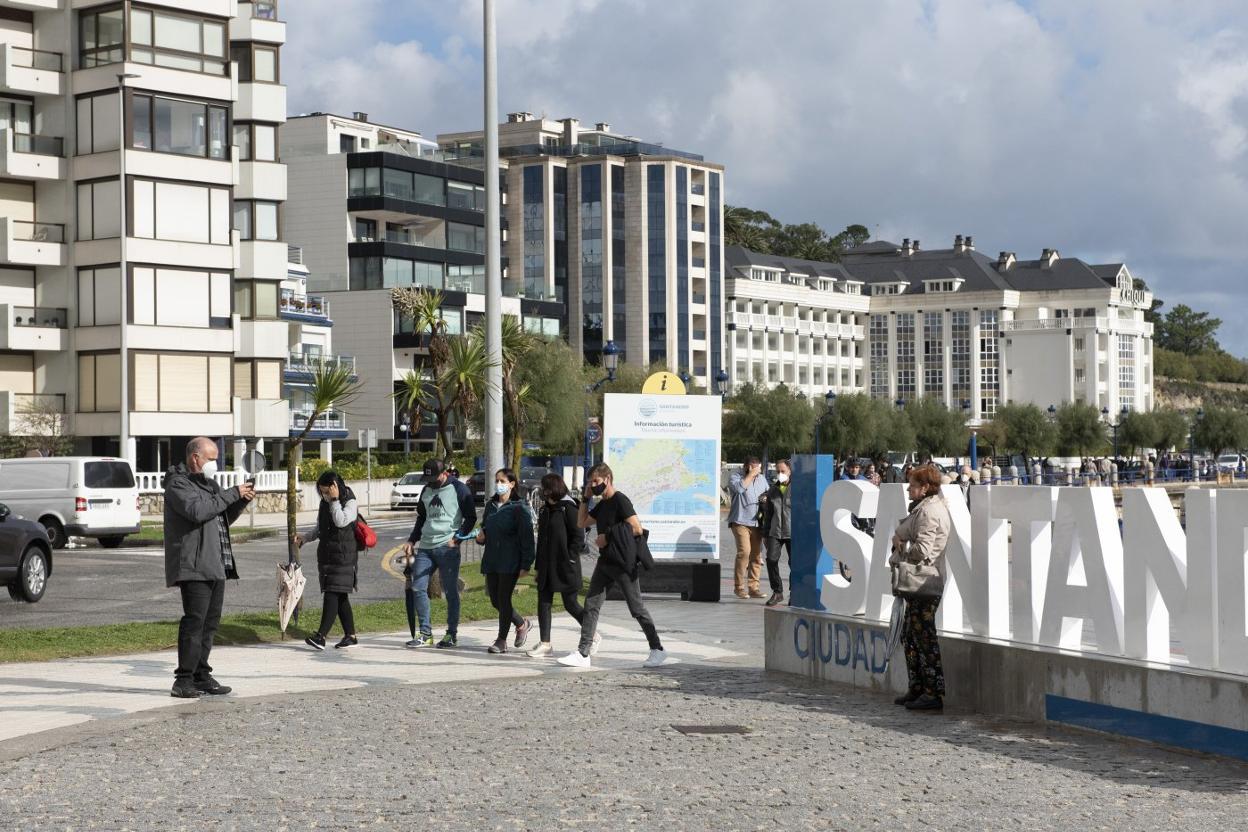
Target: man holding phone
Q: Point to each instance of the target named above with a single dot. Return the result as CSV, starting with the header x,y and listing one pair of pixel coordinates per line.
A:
x,y
445,515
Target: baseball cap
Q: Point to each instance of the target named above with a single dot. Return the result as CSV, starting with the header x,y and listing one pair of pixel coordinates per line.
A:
x,y
433,469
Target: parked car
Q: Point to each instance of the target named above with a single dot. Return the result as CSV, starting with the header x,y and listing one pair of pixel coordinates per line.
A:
x,y
476,484
25,557
406,491
74,496
1229,462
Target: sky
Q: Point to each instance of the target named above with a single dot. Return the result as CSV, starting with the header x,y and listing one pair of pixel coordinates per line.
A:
x,y
1111,130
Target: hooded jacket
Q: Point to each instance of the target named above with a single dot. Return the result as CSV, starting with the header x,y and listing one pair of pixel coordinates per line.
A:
x,y
560,542
195,506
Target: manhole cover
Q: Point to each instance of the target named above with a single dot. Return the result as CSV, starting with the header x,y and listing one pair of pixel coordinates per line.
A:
x,y
712,729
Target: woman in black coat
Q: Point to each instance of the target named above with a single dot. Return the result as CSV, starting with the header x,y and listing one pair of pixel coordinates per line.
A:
x,y
560,542
337,557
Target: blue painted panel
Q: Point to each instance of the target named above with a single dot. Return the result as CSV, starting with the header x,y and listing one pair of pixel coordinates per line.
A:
x,y
1166,730
810,562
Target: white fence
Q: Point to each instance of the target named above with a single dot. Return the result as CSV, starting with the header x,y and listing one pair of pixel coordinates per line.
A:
x,y
152,483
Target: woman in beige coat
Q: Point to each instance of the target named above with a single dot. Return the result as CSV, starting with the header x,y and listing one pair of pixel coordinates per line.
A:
x,y
923,535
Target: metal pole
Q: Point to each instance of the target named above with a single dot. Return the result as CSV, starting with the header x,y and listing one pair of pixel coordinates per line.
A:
x,y
493,262
974,450
124,450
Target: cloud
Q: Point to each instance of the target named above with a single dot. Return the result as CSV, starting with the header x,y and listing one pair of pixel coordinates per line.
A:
x,y
1116,129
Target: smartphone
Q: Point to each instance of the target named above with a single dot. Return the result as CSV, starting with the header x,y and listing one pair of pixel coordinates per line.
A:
x,y
251,482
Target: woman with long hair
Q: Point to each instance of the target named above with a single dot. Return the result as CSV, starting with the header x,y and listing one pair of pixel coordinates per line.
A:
x,y
560,541
337,558
507,533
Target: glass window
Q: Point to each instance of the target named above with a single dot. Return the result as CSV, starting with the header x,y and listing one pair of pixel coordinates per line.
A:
x,y
242,140
177,41
346,143
398,184
141,27
266,221
266,300
266,142
460,237
242,300
265,64
189,128
218,118
242,218
396,272
103,37
364,182
467,197
428,189
176,32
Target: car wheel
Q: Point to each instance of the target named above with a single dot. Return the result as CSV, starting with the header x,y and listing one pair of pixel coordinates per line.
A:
x,y
56,532
15,593
112,542
33,575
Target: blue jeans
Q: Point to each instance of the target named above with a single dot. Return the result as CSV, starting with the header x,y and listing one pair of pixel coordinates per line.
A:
x,y
445,559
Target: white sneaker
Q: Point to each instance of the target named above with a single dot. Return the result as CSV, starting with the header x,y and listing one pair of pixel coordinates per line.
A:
x,y
656,658
574,659
542,649
593,648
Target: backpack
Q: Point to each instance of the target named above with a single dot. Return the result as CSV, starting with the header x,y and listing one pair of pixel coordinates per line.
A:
x,y
365,537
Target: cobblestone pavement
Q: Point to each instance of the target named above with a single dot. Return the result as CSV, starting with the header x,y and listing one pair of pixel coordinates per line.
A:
x,y
598,751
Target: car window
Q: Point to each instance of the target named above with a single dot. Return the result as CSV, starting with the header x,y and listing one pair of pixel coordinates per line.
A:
x,y
532,473
115,474
410,479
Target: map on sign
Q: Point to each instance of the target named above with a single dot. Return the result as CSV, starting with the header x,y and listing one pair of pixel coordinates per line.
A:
x,y
668,476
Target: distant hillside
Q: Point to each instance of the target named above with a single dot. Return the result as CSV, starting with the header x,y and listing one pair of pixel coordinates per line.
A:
x,y
1189,395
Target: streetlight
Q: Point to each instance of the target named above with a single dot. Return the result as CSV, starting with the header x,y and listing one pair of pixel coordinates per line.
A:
x,y
406,427
124,441
721,383
610,363
685,378
493,260
966,410
1052,412
1191,471
1122,414
830,398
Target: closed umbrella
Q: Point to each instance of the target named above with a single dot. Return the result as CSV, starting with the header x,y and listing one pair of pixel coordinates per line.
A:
x,y
895,623
290,584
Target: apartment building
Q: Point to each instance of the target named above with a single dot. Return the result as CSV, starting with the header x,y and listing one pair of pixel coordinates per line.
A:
x,y
973,331
144,134
627,233
376,207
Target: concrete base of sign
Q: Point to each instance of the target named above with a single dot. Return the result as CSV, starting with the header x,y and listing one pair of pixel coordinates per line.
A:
x,y
1192,709
693,580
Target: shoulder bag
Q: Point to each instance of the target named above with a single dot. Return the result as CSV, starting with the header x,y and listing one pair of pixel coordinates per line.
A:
x,y
916,580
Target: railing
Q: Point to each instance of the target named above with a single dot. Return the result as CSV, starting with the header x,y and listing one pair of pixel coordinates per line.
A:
x,y
294,254
699,299
698,226
330,420
31,403
38,59
1044,324
699,262
473,284
298,362
41,316
311,305
264,9
616,149
153,482
38,232
700,190
43,145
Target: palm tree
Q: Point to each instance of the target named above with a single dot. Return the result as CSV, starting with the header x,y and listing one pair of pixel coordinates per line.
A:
x,y
518,406
516,345
334,385
423,391
464,381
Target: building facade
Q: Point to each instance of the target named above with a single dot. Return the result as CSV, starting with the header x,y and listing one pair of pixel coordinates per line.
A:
x,y
172,169
954,324
628,234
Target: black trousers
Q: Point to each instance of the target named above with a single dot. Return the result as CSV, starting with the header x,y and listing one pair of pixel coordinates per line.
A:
x,y
546,606
774,545
201,613
604,576
500,587
337,605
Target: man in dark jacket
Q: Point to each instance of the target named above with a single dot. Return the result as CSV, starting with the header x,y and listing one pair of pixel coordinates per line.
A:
x,y
199,559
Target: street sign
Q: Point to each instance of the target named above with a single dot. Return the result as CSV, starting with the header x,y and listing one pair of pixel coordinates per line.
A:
x,y
254,462
594,433
367,438
664,383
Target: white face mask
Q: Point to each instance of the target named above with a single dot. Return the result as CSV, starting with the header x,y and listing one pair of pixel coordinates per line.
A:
x,y
502,488
209,468
782,477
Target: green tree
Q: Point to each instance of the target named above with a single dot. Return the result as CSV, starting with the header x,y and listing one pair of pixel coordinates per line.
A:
x,y
517,345
423,307
854,425
557,397
1137,430
852,237
1024,429
938,431
1171,427
1080,430
1220,429
748,228
991,437
1187,331
40,427
760,419
805,240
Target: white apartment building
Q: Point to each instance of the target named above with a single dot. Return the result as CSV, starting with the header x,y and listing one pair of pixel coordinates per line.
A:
x,y
173,170
628,234
958,325
376,207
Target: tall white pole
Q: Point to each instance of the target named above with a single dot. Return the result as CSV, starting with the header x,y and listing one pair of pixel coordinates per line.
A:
x,y
126,449
493,266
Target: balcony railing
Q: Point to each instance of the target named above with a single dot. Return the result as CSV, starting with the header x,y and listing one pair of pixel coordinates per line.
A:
x,y
41,316
698,226
38,59
38,232
699,262
473,284
294,254
326,421
300,362
310,305
698,189
264,9
43,145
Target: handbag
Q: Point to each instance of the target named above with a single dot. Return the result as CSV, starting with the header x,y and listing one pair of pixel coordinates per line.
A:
x,y
917,580
365,537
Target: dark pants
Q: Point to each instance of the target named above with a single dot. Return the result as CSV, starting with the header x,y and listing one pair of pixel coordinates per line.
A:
x,y
602,578
774,545
337,605
500,587
201,613
546,606
918,639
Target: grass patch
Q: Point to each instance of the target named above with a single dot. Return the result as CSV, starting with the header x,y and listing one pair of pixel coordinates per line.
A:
x,y
152,533
249,628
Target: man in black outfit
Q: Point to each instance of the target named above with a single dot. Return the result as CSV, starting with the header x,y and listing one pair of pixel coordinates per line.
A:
x,y
610,509
199,559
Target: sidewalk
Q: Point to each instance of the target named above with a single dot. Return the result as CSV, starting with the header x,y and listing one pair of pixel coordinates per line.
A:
x,y
38,697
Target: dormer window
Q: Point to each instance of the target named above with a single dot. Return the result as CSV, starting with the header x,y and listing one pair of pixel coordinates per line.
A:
x,y
888,288
951,285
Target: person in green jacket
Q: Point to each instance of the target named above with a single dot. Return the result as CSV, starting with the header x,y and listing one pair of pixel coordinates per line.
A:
x,y
507,534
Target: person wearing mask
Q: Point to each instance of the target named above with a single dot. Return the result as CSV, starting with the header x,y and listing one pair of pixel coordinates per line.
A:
x,y
445,515
778,529
747,488
199,559
507,534
610,509
964,480
337,558
560,542
922,538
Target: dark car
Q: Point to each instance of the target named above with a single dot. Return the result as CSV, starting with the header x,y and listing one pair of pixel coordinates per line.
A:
x,y
476,484
25,557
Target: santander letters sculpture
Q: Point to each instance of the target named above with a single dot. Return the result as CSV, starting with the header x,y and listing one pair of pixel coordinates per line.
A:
x,y
1032,564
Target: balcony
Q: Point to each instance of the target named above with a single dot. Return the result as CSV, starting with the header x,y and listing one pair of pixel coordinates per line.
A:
x,y
699,262
301,365
22,413
269,418
312,309
32,5
330,425
25,243
698,189
258,21
29,156
31,71
33,328
698,226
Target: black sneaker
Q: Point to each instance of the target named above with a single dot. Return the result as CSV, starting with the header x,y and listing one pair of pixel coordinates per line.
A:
x,y
211,686
926,703
907,697
448,640
184,690
348,641
315,640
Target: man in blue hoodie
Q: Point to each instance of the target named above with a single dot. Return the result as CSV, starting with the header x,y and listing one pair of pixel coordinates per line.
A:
x,y
445,514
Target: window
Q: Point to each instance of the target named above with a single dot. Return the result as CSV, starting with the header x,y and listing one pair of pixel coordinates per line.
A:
x,y
467,197
256,219
99,127
365,230
180,382
99,382
163,296
256,142
99,205
102,37
179,211
99,293
256,63
878,336
387,272
255,300
346,143
188,128
177,41
258,379
396,184
364,182
460,237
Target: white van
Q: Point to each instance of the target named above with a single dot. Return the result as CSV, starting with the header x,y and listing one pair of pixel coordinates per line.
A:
x,y
78,496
